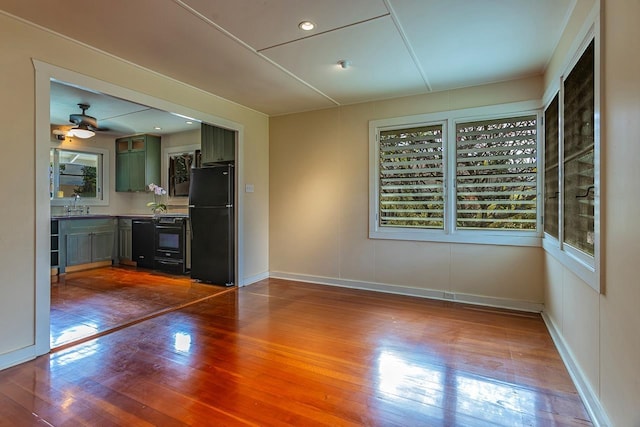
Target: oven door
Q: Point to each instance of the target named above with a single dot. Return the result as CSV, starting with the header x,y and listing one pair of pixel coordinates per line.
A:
x,y
170,242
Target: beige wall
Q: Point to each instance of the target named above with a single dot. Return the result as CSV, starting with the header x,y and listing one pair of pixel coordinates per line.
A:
x,y
320,197
319,200
575,24
601,330
619,310
19,44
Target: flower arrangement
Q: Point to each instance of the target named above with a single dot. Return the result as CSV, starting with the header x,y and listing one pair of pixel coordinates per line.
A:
x,y
157,206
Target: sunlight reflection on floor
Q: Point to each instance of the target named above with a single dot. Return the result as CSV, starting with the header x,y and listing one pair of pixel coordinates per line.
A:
x,y
440,386
74,333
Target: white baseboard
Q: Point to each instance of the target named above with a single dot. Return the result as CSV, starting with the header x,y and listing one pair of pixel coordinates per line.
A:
x,y
17,357
253,279
589,397
415,292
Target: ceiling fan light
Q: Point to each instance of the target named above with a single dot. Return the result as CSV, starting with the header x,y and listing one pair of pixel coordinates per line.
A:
x,y
82,131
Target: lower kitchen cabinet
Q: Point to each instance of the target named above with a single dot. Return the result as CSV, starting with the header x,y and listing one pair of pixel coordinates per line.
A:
x,y
78,248
102,246
87,241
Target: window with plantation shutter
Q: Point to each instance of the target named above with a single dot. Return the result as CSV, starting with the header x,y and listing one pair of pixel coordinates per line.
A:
x,y
551,169
443,177
578,159
496,174
411,178
572,166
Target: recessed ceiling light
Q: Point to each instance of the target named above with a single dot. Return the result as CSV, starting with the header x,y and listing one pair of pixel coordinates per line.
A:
x,y
189,122
157,128
306,25
344,63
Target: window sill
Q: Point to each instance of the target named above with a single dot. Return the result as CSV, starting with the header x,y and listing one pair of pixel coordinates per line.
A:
x,y
471,237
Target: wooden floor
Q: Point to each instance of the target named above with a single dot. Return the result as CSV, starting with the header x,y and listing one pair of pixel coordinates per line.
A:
x,y
92,302
282,353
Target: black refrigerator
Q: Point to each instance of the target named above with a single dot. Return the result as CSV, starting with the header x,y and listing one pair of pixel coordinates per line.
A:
x,y
211,197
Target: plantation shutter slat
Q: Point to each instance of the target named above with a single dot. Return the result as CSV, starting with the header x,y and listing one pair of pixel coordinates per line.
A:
x,y
496,157
400,147
511,202
514,141
417,162
411,179
496,174
490,184
501,167
414,171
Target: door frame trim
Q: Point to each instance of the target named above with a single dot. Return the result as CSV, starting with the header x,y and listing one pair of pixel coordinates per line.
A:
x,y
44,73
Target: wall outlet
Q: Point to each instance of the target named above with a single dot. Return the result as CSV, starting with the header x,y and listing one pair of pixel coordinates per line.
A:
x,y
248,188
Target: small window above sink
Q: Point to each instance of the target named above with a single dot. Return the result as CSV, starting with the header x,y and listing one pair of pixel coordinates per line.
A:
x,y
77,176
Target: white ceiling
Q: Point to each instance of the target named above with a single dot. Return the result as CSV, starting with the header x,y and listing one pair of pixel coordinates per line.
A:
x,y
253,53
116,116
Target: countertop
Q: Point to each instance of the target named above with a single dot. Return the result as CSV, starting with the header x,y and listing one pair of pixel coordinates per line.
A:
x,y
89,216
99,216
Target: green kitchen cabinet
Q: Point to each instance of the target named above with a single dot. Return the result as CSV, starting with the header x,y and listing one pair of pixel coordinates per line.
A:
x,y
78,248
217,145
85,248
87,241
102,243
137,162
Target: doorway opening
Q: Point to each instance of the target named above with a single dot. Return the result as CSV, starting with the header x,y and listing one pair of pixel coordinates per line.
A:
x,y
45,75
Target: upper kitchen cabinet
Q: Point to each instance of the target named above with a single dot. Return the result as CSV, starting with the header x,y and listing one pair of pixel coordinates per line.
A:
x,y
137,162
218,145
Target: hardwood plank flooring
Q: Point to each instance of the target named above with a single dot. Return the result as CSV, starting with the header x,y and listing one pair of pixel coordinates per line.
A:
x,y
283,353
91,302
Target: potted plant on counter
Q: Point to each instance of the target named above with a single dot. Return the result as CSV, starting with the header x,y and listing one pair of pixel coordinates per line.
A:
x,y
158,205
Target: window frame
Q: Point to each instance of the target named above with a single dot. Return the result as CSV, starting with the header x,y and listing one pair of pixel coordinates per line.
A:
x,y
583,265
103,173
450,233
443,125
464,162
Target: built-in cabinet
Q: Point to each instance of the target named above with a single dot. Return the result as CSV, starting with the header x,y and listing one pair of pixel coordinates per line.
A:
x,y
84,248
86,241
137,162
217,144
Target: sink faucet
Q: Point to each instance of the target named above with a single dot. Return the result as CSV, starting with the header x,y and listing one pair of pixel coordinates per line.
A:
x,y
74,208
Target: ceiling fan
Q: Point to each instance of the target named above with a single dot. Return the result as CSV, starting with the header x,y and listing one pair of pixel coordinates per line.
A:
x,y
85,126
